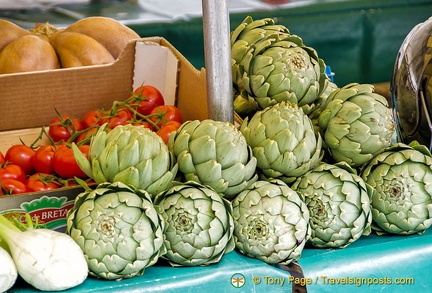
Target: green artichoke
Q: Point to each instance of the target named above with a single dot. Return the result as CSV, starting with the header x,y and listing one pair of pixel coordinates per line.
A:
x,y
118,228
271,222
130,154
214,153
249,34
283,141
269,65
198,224
401,189
338,203
356,124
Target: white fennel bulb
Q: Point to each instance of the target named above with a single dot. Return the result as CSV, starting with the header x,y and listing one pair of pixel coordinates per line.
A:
x,y
8,271
46,259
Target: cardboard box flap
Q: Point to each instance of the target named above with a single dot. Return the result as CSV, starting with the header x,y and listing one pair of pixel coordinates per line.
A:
x,y
157,66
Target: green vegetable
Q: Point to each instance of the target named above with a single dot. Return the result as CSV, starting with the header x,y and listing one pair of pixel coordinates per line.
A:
x,y
130,154
214,153
356,124
8,271
118,228
338,202
401,190
271,222
283,141
269,65
198,224
46,259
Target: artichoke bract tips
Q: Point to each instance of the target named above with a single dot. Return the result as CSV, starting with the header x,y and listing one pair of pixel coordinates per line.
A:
x,y
271,222
119,230
198,224
401,192
339,205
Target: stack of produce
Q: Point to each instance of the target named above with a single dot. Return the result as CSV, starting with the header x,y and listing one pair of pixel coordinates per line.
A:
x,y
310,163
88,41
334,148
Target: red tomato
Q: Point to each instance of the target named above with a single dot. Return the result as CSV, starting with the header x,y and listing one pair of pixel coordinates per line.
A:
x,y
167,128
64,162
145,98
120,117
21,155
12,171
41,182
42,160
145,124
12,186
62,130
161,114
91,118
86,135
2,158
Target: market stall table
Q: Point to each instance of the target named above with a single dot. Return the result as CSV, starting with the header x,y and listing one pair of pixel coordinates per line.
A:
x,y
388,263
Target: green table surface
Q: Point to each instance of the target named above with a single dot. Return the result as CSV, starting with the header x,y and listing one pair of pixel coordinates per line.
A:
x,y
388,263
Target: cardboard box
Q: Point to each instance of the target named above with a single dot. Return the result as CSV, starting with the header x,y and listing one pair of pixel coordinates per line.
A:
x,y
28,102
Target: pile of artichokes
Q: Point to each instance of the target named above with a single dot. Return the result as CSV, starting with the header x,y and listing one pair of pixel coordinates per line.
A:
x,y
335,146
307,163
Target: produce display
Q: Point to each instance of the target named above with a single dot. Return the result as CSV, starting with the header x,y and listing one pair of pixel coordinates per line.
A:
x,y
307,164
42,167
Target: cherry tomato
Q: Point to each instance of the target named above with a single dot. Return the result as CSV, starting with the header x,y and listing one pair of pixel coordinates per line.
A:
x,y
147,97
64,162
41,182
2,158
145,124
91,118
12,186
161,114
12,171
119,117
86,136
21,155
167,128
62,130
42,160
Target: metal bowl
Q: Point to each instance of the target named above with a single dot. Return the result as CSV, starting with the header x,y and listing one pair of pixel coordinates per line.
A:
x,y
411,86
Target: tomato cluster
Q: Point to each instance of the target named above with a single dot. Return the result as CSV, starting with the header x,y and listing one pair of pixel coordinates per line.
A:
x,y
28,169
145,106
24,169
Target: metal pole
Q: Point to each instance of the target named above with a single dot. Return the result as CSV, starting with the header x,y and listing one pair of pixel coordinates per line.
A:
x,y
217,48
